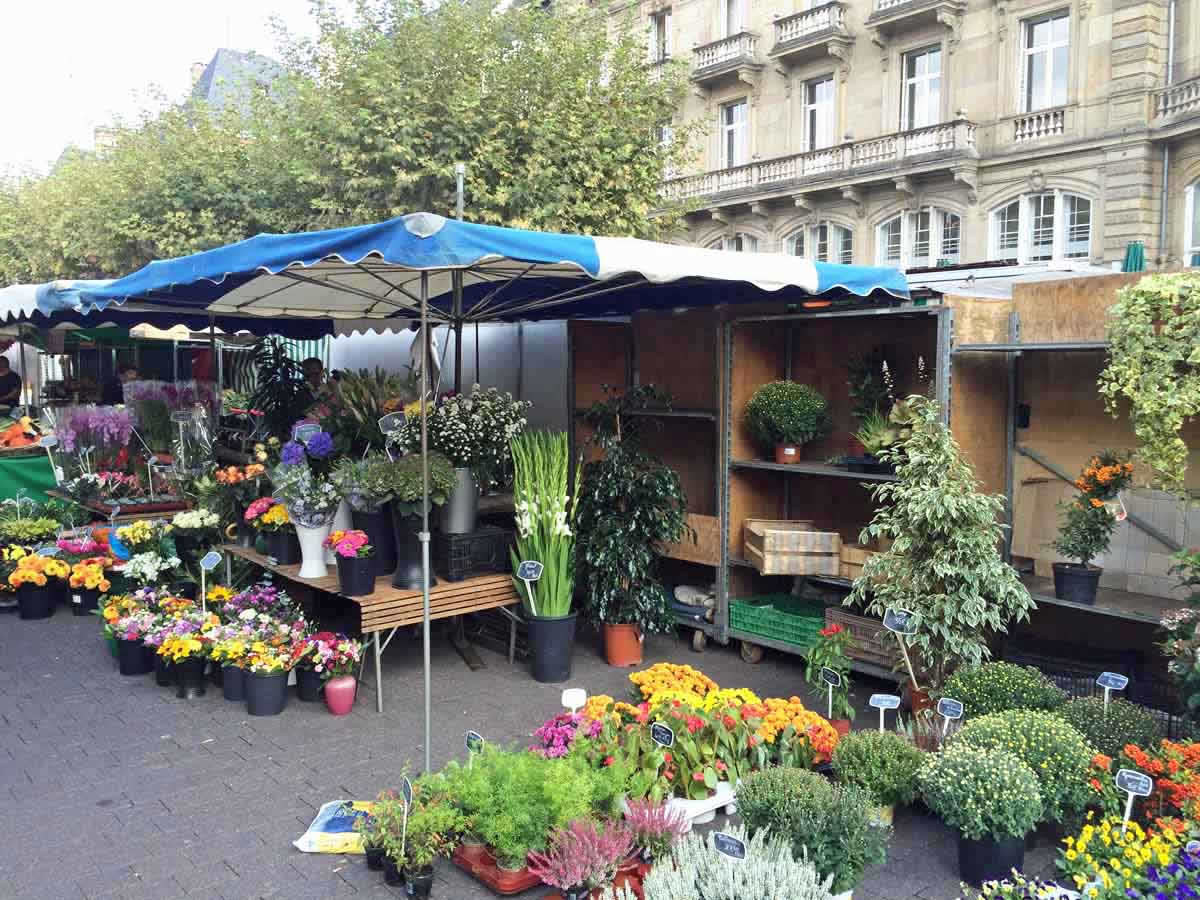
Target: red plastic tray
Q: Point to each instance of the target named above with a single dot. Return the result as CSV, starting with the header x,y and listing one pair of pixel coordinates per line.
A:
x,y
486,870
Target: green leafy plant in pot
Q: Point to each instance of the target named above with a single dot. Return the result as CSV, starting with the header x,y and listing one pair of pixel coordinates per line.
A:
x,y
407,494
433,827
884,764
545,517
629,504
783,416
1088,523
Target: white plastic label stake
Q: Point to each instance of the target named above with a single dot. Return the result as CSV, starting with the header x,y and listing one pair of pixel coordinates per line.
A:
x,y
883,702
1111,681
574,699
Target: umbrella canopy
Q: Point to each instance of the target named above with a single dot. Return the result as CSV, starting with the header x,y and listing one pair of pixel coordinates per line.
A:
x,y
373,272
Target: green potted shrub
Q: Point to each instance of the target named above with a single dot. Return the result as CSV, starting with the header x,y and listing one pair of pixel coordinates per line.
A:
x,y
389,828
1057,754
830,823
1109,731
997,686
407,491
783,416
883,764
944,562
433,829
991,798
1087,526
629,504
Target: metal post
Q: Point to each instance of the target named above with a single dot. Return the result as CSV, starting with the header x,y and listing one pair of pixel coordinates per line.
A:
x,y
460,170
174,360
424,536
21,340
212,349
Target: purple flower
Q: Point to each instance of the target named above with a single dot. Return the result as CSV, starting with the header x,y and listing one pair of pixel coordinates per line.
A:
x,y
320,445
292,454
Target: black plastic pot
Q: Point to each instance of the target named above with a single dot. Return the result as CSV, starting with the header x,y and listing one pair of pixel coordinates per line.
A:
x,y
215,675
381,535
1076,583
35,602
266,695
132,659
356,576
164,671
233,683
374,858
188,589
869,465
392,874
408,554
987,860
89,602
187,546
284,546
245,531
151,654
189,678
420,883
308,685
551,640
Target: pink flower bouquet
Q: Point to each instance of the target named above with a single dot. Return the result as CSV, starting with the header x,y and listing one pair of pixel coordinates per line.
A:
x,y
350,544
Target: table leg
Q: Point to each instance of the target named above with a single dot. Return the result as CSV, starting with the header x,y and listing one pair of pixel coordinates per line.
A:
x,y
378,675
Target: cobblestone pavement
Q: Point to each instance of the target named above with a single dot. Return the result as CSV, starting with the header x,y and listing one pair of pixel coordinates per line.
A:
x,y
112,788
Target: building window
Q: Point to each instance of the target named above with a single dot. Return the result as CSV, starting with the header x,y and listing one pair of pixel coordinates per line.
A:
x,y
920,239
823,242
1191,238
1047,47
734,121
921,104
819,113
659,49
1046,227
664,135
738,243
733,16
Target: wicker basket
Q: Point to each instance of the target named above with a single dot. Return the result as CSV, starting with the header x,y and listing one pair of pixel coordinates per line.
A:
x,y
872,643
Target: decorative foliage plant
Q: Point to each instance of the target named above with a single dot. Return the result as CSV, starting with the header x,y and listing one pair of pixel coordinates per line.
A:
x,y
1183,635
830,652
629,504
944,564
881,762
1154,366
997,686
785,412
981,792
407,484
1109,732
281,392
545,509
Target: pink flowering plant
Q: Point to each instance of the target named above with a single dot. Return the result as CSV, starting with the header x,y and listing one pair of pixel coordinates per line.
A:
x,y
583,855
133,626
330,655
267,514
656,827
259,598
350,544
555,737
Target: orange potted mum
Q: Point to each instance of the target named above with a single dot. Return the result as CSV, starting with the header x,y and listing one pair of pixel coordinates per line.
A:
x,y
36,580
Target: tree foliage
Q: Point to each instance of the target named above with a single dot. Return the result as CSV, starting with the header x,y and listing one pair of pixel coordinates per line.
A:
x,y
554,114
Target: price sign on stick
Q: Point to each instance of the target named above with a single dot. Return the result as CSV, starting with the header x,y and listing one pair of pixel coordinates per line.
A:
x,y
474,742
208,562
662,734
949,709
48,550
728,845
391,422
302,433
1111,681
1135,784
406,793
901,622
574,699
883,702
529,572
832,679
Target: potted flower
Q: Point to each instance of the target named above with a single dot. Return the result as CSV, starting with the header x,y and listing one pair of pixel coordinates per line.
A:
x,y
301,483
882,763
238,487
582,857
656,827
267,670
629,504
36,580
831,651
545,520
228,651
991,798
89,579
356,575
367,486
1087,525
332,658
270,517
186,645
433,827
407,491
128,628
194,530
148,569
783,416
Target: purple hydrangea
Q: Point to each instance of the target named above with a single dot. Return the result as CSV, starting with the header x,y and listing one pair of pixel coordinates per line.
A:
x,y
320,445
292,453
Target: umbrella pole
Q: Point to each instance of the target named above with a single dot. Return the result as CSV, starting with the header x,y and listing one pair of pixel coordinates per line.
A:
x,y
21,340
424,536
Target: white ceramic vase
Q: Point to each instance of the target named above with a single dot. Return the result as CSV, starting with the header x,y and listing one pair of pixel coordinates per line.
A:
x,y
312,549
341,522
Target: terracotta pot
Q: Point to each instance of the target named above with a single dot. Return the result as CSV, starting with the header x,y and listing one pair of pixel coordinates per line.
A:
x,y
340,693
841,726
623,645
509,881
473,853
786,454
919,699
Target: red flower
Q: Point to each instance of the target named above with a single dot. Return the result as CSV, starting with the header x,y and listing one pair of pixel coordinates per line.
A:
x,y
608,760
668,758
669,774
694,724
831,630
730,722
676,714
752,741
699,776
720,766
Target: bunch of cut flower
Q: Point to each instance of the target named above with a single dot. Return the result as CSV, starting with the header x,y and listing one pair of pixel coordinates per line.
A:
x,y
267,659
267,514
350,544
327,653
90,574
261,597
142,536
671,677
187,636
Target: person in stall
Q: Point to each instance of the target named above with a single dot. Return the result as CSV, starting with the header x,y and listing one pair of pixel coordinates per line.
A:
x,y
114,387
314,379
10,385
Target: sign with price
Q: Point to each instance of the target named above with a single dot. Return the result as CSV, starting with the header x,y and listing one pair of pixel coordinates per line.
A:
x,y
728,845
662,734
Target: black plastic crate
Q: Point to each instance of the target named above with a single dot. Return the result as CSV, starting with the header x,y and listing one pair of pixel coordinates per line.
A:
x,y
482,552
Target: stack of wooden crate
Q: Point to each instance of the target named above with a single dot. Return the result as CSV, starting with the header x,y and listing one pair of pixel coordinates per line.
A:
x,y
782,547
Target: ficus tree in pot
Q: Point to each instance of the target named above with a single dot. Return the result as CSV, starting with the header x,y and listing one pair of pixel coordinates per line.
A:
x,y
629,504
944,564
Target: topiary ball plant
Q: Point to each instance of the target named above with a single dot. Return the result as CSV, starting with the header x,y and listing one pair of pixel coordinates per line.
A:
x,y
981,793
881,762
997,686
1125,723
787,413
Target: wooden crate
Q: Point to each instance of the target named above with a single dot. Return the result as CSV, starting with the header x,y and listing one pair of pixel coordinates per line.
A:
x,y
852,558
780,547
871,642
706,548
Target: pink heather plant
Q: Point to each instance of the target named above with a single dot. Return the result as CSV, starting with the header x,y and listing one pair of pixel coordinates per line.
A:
x,y
655,826
583,855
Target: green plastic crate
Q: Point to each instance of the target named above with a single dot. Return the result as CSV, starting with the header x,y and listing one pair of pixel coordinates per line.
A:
x,y
782,617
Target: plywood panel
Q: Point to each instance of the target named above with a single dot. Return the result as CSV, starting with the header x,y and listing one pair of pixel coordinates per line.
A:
x,y
677,352
752,495
979,320
978,416
599,356
759,356
689,446
1072,309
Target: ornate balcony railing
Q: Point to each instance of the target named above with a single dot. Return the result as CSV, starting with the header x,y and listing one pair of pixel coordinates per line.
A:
x,y
1183,97
801,25
1037,125
740,47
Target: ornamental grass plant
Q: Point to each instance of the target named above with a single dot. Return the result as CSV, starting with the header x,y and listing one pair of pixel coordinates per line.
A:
x,y
545,509
997,686
982,793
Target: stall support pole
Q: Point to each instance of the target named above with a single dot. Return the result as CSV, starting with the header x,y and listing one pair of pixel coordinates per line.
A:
x,y
424,536
21,341
460,170
212,352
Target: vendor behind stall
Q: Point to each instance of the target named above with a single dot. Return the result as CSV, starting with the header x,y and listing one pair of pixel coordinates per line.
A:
x,y
114,387
10,385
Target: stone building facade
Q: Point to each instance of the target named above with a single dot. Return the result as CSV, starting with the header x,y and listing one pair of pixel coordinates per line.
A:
x,y
927,132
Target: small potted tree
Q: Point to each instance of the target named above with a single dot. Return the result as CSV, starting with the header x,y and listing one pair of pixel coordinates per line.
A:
x,y
1087,526
991,799
783,416
629,504
433,829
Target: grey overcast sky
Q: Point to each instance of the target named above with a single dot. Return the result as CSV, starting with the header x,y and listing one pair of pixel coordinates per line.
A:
x,y
67,66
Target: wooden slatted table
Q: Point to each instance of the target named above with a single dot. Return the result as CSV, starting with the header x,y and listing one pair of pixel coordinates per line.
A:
x,y
388,609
